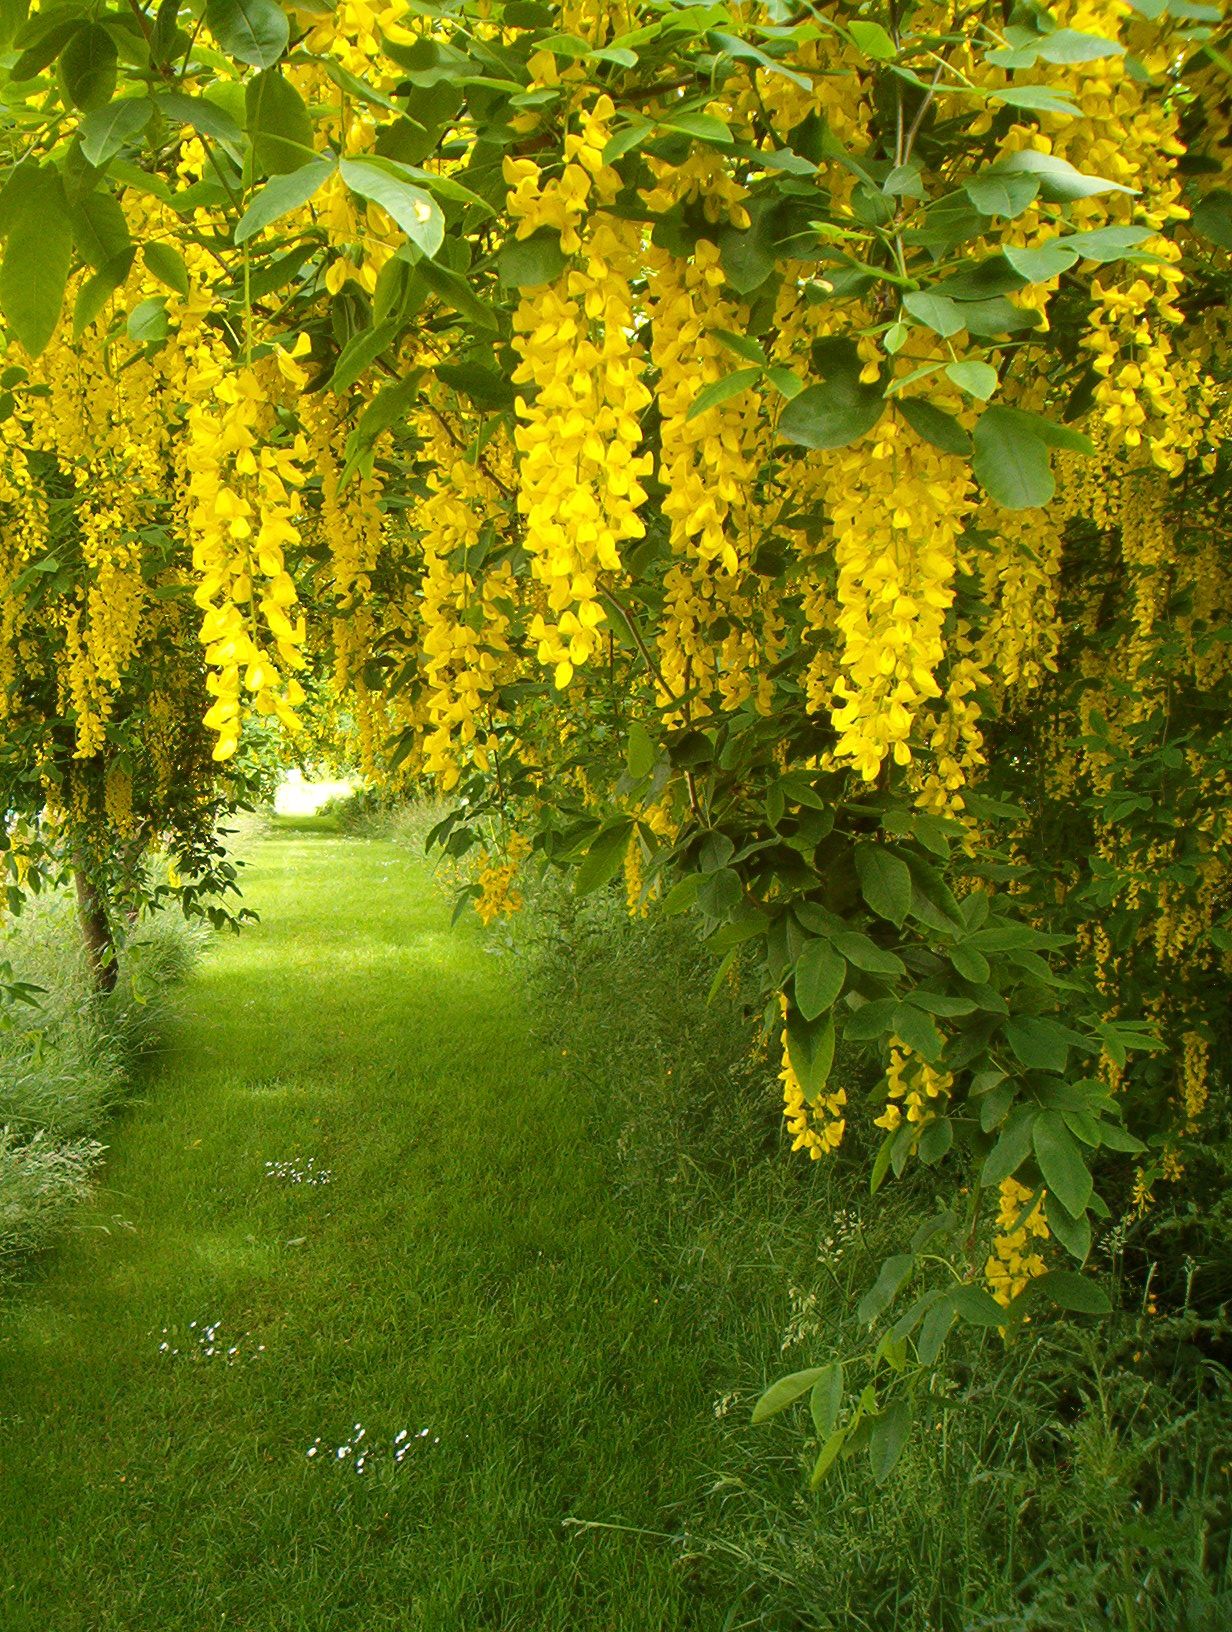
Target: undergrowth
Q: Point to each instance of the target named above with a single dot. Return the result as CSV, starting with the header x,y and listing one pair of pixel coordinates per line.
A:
x,y
66,1062
1075,1477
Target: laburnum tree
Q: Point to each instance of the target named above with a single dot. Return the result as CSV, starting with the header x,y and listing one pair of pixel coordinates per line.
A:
x,y
777,452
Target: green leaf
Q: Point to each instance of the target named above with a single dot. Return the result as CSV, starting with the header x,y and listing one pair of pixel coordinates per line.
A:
x,y
810,1049
252,31
837,411
785,381
167,265
820,973
1001,193
1070,1290
1011,1150
147,322
1059,181
826,1399
888,1438
829,1452
743,345
719,893
37,256
975,378
605,856
937,312
720,390
1013,468
1074,1234
885,882
100,232
1037,98
383,182
1212,217
13,14
705,126
934,1331
359,353
1046,261
865,954
786,1391
1066,45
205,117
279,125
891,1278
282,195
105,131
455,291
640,753
935,425
1041,1044
873,41
970,964
1107,243
525,263
977,1307
96,291
87,68
1061,1162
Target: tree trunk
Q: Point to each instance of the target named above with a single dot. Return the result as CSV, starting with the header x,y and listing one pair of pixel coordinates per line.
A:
x,y
96,933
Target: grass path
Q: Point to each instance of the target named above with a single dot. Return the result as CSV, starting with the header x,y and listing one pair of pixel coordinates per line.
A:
x,y
464,1272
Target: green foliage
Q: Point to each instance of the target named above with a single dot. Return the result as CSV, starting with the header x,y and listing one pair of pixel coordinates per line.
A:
x,y
66,1061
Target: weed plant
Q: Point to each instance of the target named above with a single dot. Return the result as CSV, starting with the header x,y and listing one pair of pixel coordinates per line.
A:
x,y
66,1062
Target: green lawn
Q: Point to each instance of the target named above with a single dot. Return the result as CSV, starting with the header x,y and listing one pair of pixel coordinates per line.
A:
x,y
465,1276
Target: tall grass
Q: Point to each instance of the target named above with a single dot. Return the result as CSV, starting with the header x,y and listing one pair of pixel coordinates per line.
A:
x,y
66,1062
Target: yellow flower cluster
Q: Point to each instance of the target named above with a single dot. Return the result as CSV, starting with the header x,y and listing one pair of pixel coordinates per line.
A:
x,y
244,514
578,430
1014,1259
498,898
818,1125
465,627
914,1089
897,507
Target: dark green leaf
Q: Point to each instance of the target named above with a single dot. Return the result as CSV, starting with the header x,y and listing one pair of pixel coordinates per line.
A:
x,y
36,261
885,882
605,856
87,68
524,263
1005,194
810,1049
720,390
820,973
891,1278
279,126
888,1438
837,411
167,265
934,1331
1061,1162
935,425
252,31
1070,1290
1013,468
